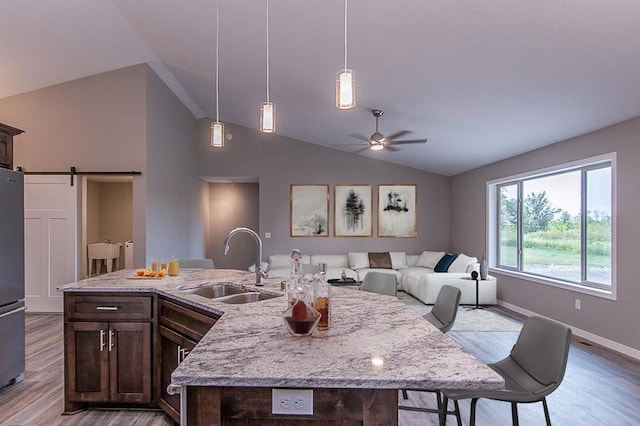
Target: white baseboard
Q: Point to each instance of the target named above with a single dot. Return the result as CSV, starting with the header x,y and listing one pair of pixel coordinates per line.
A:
x,y
604,342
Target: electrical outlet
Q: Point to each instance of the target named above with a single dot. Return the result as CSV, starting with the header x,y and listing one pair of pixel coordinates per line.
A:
x,y
578,304
267,234
292,401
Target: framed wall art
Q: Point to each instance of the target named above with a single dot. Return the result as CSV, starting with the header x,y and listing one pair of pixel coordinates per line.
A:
x,y
309,210
397,211
352,211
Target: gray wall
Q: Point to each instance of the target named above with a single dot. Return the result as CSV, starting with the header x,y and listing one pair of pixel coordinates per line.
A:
x,y
232,205
175,214
121,120
614,320
280,161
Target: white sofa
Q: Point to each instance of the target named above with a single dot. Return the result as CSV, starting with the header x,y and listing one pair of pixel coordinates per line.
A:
x,y
414,273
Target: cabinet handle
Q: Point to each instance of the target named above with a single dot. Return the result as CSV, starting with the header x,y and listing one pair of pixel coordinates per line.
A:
x,y
110,340
173,389
185,352
101,340
178,355
107,308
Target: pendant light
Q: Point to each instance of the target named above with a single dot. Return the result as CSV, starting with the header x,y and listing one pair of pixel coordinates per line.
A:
x,y
345,82
268,108
217,128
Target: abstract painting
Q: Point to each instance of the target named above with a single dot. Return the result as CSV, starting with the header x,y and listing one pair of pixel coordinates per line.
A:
x,y
309,210
352,211
397,214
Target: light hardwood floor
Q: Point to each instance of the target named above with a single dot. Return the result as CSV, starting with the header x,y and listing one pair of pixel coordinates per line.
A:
x,y
600,387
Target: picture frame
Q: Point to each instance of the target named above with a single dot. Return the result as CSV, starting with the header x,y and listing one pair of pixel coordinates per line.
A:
x,y
309,213
353,211
397,211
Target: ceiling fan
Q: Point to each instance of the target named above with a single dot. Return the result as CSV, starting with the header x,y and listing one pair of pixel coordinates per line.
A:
x,y
378,141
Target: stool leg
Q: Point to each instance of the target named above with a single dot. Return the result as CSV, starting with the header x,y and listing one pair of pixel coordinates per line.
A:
x,y
90,266
109,264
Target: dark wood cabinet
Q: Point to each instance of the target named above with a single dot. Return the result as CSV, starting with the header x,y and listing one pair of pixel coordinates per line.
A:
x,y
108,350
180,329
6,145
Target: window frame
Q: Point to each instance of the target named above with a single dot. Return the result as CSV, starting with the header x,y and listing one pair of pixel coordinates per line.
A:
x,y
493,225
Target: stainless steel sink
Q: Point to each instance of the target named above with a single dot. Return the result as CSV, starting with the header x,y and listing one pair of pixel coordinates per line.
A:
x,y
215,291
237,299
226,293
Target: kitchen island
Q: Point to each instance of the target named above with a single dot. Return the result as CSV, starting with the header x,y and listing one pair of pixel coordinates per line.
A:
x,y
375,346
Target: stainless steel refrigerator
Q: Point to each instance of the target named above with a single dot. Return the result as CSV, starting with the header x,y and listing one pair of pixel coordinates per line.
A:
x,y
12,326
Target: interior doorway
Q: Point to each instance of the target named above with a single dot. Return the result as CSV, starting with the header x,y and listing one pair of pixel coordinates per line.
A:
x,y
232,204
107,216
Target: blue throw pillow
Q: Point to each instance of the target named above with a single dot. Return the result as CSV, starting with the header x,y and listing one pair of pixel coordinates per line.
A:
x,y
445,262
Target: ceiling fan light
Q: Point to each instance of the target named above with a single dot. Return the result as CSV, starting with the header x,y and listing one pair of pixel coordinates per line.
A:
x,y
217,135
345,93
377,147
268,117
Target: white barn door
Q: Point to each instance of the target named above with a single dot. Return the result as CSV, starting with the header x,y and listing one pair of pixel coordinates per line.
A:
x,y
51,240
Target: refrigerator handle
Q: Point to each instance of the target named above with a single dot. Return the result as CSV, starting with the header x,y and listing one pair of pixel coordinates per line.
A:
x,y
15,311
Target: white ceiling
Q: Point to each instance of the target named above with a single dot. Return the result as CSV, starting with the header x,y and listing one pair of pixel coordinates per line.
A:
x,y
482,80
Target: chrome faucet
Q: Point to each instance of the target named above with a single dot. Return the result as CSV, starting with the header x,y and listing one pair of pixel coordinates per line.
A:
x,y
260,274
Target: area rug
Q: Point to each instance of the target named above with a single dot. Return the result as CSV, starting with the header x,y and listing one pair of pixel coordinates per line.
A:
x,y
467,319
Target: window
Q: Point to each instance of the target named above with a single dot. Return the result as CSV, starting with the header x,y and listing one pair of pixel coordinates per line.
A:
x,y
556,224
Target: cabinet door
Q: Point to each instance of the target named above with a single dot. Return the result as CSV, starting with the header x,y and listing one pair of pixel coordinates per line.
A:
x,y
173,349
130,362
86,356
6,151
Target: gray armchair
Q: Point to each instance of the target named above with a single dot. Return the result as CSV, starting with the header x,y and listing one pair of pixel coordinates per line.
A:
x,y
534,368
379,282
445,310
442,316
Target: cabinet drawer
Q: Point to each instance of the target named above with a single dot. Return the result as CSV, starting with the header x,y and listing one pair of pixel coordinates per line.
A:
x,y
107,307
183,320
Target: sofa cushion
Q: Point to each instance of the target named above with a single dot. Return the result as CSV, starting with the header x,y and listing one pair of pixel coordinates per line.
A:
x,y
462,263
280,261
429,259
380,260
412,260
445,262
398,260
332,260
358,260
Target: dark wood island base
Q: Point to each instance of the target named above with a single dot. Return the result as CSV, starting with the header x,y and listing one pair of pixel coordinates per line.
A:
x,y
252,406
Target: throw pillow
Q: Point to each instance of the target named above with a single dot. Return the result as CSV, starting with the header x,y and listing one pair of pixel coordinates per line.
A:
x,y
429,259
445,262
358,260
462,263
398,260
380,260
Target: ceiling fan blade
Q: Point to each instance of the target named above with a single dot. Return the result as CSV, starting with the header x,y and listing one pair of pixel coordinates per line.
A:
x,y
360,136
358,151
391,148
406,142
398,134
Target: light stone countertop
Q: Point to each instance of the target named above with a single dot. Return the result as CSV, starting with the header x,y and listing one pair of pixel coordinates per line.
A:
x,y
250,345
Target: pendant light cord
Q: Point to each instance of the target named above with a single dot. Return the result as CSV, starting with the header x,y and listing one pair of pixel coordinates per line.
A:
x,y
345,34
217,62
267,50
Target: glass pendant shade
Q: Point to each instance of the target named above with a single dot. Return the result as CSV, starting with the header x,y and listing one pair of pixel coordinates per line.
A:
x,y
217,135
345,93
268,117
377,147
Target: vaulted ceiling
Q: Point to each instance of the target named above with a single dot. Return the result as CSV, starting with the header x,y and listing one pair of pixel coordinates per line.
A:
x,y
482,80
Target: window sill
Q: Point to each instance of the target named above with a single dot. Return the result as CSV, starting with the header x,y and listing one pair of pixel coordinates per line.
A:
x,y
605,294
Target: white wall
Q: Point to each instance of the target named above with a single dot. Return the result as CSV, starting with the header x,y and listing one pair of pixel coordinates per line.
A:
x,y
614,320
